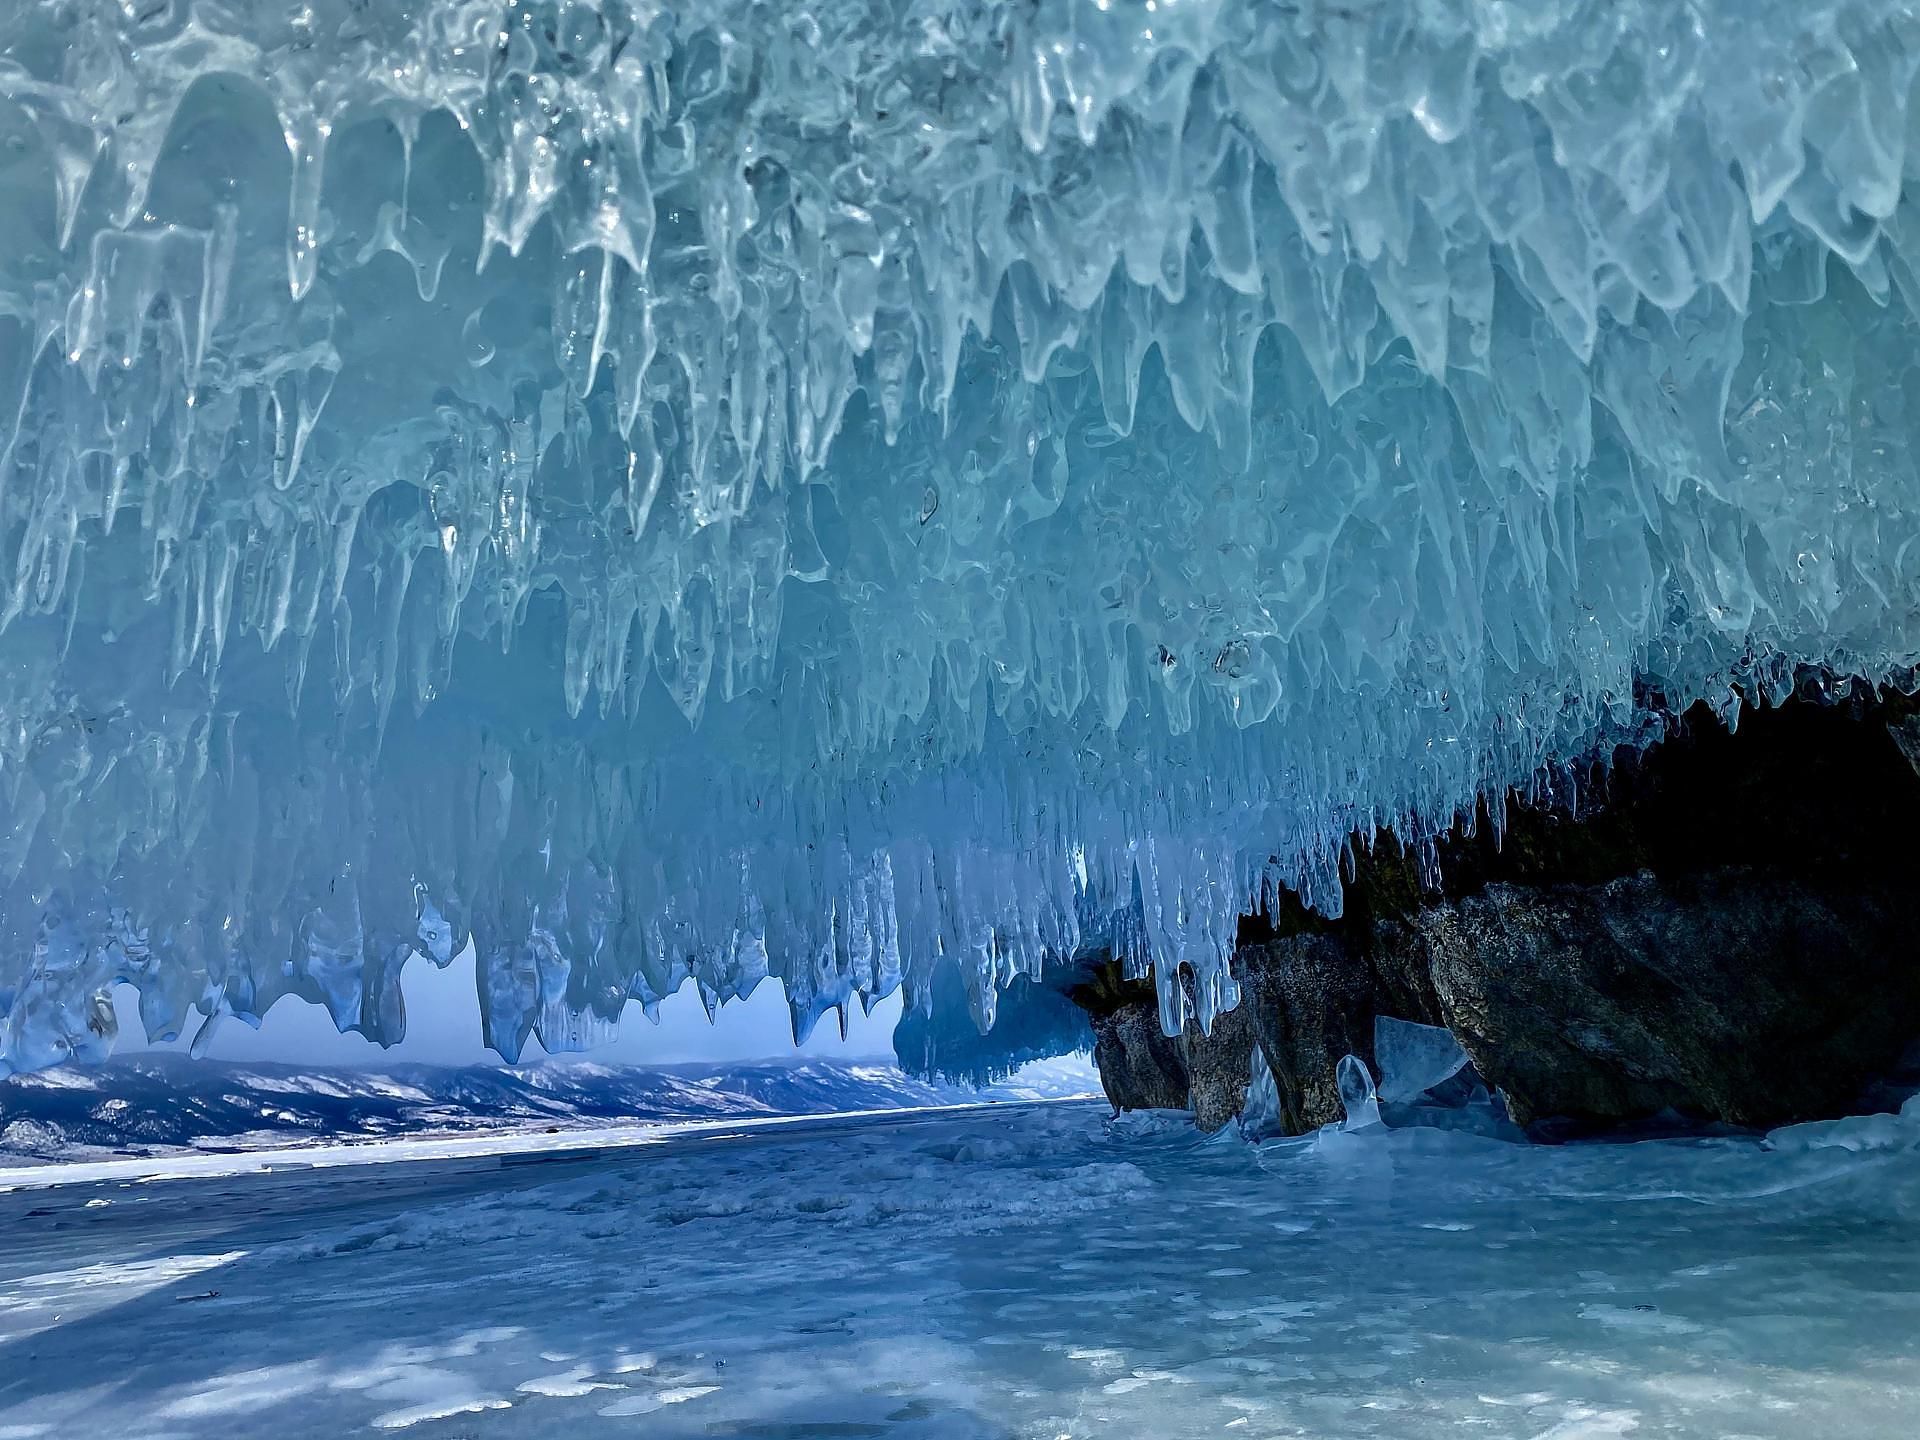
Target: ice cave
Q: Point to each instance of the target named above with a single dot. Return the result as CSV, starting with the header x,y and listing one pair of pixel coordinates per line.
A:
x,y
1352,564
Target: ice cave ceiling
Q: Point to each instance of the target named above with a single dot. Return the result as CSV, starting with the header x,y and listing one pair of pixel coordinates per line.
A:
x,y
852,490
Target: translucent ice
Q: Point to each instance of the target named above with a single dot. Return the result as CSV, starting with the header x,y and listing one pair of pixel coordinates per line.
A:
x,y
1260,1116
1413,1058
844,491
1854,1132
1357,1095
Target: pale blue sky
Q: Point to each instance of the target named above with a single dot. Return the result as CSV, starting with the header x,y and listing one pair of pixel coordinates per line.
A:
x,y
443,1028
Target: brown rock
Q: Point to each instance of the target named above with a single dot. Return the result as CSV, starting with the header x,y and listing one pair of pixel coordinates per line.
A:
x,y
1734,996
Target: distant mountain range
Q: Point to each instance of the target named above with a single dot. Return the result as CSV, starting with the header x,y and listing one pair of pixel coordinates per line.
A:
x,y
147,1104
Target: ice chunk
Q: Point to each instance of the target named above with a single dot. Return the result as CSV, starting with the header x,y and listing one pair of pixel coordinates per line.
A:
x,y
1260,1114
1413,1058
1853,1132
1357,1094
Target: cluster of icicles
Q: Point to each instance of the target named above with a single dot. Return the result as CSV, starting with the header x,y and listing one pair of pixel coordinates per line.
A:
x,y
727,489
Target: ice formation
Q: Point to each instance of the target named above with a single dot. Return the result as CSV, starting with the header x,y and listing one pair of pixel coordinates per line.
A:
x,y
1414,1058
1260,1114
840,490
1357,1095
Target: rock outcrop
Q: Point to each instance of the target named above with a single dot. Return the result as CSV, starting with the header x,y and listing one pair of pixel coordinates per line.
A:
x,y
1731,937
1312,1000
1143,1068
1733,996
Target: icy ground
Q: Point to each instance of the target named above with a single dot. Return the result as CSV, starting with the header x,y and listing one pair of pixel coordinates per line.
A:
x,y
166,1104
1031,1272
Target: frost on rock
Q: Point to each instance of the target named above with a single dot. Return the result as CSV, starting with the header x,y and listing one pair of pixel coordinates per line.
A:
x,y
731,489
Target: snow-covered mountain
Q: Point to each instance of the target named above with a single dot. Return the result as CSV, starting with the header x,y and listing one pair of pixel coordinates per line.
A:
x,y
153,1102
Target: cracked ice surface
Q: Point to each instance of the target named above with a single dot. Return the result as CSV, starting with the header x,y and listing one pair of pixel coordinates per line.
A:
x,y
727,488
1014,1274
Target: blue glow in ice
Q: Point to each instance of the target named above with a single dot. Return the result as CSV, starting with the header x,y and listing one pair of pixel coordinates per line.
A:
x,y
846,490
1413,1058
1357,1095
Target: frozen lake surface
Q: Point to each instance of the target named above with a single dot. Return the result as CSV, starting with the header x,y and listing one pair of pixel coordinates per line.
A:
x,y
1020,1272
157,1106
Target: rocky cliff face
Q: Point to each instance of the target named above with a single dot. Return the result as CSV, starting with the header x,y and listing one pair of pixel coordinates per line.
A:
x,y
1141,1068
1735,995
1731,936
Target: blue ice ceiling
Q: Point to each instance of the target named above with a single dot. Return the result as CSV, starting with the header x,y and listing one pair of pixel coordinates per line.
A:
x,y
844,490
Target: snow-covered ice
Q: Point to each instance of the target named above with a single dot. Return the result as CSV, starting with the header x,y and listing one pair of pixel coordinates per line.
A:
x,y
1023,1274
166,1105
